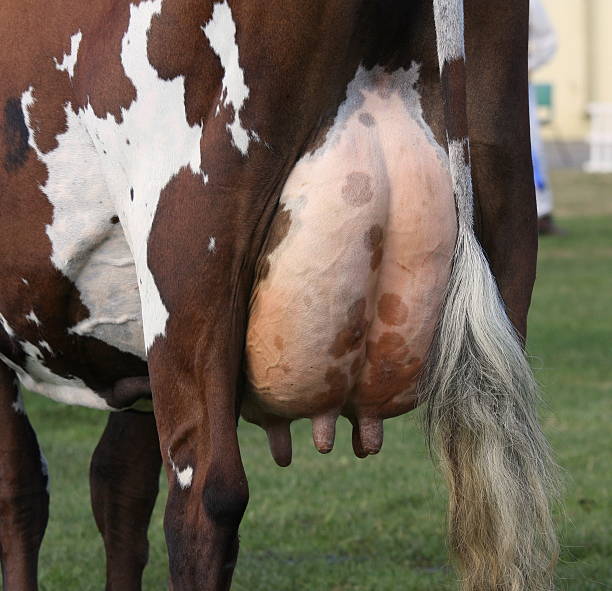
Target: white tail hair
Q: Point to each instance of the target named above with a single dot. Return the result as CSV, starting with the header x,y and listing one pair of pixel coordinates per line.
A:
x,y
481,396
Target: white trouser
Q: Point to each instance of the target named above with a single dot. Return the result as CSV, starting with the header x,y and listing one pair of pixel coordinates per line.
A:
x,y
544,195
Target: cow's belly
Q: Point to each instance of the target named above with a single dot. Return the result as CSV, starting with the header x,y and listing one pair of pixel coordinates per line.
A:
x,y
107,286
102,270
88,242
89,248
354,274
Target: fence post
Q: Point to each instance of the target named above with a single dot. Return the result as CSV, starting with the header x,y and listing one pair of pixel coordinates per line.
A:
x,y
600,138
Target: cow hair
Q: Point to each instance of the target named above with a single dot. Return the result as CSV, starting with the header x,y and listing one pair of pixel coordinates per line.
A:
x,y
480,399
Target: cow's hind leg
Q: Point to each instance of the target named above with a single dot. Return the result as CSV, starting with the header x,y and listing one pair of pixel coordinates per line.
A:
x,y
124,480
24,500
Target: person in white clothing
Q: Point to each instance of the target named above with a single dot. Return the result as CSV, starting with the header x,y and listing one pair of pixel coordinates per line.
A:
x,y
542,48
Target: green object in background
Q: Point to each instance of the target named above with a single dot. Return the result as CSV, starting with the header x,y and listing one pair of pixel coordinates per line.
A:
x,y
544,95
544,102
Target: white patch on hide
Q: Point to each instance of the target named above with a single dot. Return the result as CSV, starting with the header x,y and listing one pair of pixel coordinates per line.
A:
x,y
448,16
17,405
221,33
25,281
462,181
212,244
161,143
33,318
70,59
85,242
9,331
90,324
117,262
183,477
38,378
45,345
109,288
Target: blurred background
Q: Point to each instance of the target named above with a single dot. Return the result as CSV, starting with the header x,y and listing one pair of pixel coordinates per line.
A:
x,y
335,523
574,88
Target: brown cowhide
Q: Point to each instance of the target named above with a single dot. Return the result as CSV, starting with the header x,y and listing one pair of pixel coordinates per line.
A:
x,y
297,58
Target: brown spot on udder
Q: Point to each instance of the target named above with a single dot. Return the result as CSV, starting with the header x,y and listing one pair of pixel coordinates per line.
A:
x,y
384,87
373,237
279,343
376,258
357,190
374,243
330,400
337,382
366,119
392,310
279,228
351,336
392,369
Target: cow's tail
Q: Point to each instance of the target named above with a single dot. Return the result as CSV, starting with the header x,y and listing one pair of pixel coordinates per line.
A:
x,y
479,392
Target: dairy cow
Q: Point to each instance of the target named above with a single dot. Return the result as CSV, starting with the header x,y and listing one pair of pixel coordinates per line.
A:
x,y
285,209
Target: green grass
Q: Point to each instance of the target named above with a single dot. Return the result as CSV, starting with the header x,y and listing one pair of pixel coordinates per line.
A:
x,y
571,339
335,523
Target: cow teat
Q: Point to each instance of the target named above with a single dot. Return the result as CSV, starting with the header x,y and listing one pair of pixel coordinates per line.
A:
x,y
324,432
371,434
279,439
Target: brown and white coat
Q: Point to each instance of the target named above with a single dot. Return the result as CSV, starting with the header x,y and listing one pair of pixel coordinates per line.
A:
x,y
243,206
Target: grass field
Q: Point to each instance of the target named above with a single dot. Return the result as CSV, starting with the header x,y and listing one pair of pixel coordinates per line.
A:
x,y
335,523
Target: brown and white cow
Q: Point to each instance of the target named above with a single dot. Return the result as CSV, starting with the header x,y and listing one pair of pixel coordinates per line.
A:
x,y
267,207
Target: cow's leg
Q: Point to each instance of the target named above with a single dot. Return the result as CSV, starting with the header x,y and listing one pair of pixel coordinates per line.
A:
x,y
209,220
203,267
124,480
24,500
208,491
